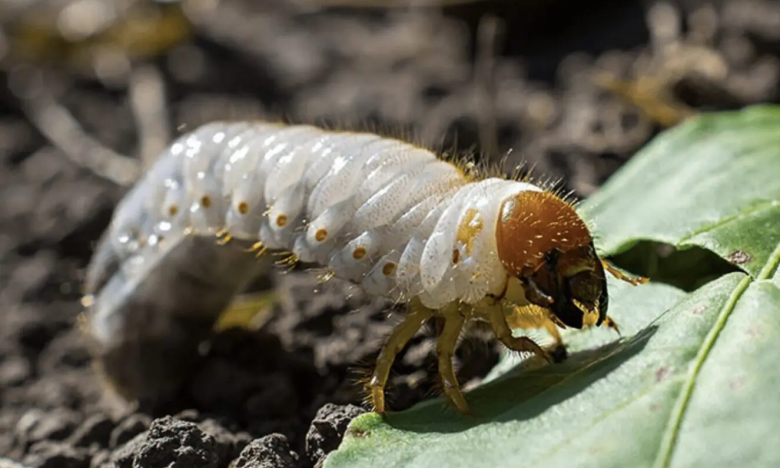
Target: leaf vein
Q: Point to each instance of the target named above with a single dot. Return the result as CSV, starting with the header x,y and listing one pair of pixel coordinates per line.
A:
x,y
727,220
673,427
771,265
672,431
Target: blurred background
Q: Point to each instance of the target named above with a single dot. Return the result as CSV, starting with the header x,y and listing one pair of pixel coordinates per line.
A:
x,y
92,90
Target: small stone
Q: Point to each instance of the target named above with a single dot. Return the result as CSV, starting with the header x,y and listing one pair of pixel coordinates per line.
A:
x,y
327,430
271,451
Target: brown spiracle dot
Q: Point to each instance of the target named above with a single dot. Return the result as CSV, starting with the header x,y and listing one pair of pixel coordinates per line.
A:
x,y
243,207
173,209
205,201
455,256
281,220
359,253
388,269
321,235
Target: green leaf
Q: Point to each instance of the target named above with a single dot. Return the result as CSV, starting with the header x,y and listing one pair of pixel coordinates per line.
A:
x,y
693,381
712,183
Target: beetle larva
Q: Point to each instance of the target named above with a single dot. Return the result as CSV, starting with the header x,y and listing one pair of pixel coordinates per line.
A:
x,y
386,215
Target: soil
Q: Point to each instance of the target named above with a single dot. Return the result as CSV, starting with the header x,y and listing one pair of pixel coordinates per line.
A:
x,y
518,89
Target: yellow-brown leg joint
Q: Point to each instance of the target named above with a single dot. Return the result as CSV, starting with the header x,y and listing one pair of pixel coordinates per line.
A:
x,y
504,334
445,349
398,339
619,275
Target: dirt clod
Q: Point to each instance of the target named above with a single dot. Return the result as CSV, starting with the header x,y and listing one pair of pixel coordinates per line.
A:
x,y
271,451
177,444
327,430
229,441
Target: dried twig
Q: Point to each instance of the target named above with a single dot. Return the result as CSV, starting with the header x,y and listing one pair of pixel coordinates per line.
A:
x,y
64,132
484,85
650,96
147,100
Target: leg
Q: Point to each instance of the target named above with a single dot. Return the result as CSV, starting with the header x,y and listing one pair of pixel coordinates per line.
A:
x,y
445,348
504,333
609,322
619,275
258,248
531,316
401,335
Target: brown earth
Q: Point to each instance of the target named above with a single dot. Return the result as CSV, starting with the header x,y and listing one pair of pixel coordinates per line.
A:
x,y
282,395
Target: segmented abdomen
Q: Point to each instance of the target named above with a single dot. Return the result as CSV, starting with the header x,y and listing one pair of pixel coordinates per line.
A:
x,y
377,211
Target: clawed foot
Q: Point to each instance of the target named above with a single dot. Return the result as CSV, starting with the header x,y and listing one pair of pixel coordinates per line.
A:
x,y
558,353
619,275
609,322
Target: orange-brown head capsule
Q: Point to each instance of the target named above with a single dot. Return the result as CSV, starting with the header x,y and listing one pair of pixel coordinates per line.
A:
x,y
544,243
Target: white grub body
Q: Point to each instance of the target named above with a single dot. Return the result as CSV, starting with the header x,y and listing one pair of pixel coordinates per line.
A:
x,y
376,211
